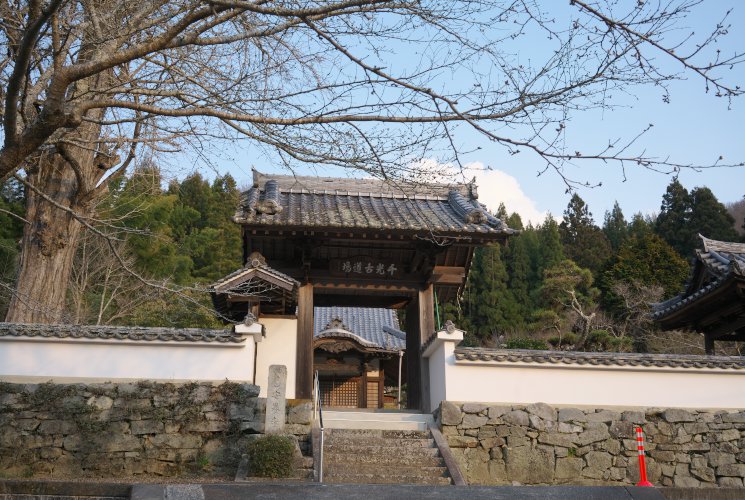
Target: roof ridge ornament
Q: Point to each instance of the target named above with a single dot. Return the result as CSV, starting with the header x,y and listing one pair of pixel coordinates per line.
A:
x,y
256,260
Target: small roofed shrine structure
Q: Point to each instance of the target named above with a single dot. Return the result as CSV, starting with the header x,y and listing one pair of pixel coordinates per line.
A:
x,y
313,241
713,302
358,352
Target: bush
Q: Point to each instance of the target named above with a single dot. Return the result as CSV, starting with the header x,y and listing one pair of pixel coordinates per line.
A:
x,y
566,340
526,343
271,456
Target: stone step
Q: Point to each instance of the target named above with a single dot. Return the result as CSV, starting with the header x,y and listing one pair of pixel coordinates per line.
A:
x,y
389,460
372,441
378,433
383,477
379,450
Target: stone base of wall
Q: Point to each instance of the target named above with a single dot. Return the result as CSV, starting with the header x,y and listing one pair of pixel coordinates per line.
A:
x,y
110,430
539,444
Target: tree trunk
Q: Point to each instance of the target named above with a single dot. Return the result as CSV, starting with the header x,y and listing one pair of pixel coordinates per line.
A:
x,y
48,246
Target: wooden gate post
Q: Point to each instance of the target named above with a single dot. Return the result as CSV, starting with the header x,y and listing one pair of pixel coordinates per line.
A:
x,y
304,358
420,324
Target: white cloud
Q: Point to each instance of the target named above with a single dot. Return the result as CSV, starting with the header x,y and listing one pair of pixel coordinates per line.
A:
x,y
496,186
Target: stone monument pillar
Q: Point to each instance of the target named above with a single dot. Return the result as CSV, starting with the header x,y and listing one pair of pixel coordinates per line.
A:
x,y
275,400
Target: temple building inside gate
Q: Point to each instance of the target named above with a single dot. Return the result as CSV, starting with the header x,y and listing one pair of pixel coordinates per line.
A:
x,y
311,242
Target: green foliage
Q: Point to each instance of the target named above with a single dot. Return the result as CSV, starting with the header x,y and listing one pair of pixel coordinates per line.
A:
x,y
494,309
710,218
271,456
615,227
182,237
582,241
645,261
526,343
683,216
568,339
564,278
675,213
603,340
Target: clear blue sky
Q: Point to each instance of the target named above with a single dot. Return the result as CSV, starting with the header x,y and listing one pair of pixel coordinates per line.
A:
x,y
693,127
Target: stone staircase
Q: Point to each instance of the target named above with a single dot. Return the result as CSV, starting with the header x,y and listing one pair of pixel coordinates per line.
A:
x,y
378,447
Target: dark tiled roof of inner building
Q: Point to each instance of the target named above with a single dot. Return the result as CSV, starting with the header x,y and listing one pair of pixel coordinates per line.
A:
x,y
317,202
719,261
374,326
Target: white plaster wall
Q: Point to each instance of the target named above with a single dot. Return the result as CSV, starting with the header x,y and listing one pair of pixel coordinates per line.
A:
x,y
81,360
437,373
279,347
588,386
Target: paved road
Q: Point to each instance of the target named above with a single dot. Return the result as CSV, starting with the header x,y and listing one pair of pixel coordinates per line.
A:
x,y
313,491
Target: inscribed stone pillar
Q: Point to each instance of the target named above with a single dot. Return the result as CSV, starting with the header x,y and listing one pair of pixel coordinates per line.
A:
x,y
275,400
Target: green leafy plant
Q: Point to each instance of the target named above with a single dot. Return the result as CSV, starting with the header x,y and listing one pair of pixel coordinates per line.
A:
x,y
526,343
271,456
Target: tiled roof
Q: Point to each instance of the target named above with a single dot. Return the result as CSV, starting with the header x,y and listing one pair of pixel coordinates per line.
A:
x,y
720,260
310,202
372,327
475,354
262,271
130,333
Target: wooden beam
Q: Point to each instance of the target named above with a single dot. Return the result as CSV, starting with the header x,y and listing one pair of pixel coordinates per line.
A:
x,y
354,300
304,357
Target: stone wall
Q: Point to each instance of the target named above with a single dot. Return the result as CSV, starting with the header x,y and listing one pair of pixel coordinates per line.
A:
x,y
126,429
540,444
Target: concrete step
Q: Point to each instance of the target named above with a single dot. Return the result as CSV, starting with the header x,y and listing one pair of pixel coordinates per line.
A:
x,y
376,420
383,477
382,450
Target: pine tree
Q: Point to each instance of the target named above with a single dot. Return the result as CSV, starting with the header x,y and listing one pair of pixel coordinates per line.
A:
x,y
673,222
710,218
582,240
615,227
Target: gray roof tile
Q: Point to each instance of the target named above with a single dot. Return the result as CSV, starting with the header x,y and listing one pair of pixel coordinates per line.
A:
x,y
119,333
375,327
476,354
365,203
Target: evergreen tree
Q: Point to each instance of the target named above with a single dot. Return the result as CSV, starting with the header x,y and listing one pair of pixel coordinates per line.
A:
x,y
549,245
645,261
673,222
640,226
518,269
710,218
493,309
514,221
683,216
615,227
582,240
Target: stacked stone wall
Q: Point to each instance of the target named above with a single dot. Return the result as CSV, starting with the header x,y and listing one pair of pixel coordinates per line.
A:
x,y
540,444
129,429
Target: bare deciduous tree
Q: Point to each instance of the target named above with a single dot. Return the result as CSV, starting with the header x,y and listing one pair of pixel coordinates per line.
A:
x,y
372,85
